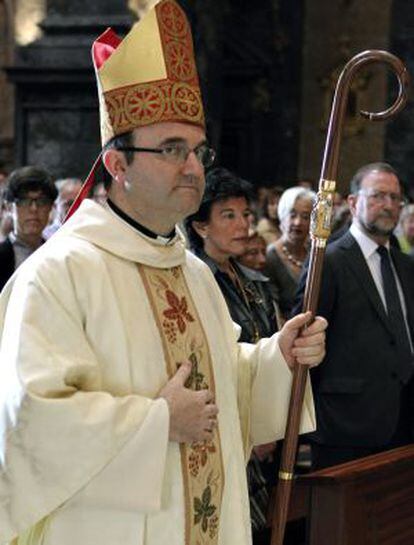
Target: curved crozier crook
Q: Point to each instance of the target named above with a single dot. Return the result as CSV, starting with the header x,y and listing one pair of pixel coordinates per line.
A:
x,y
403,78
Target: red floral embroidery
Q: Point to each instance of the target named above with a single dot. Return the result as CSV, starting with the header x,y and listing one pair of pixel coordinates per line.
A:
x,y
170,330
199,456
178,310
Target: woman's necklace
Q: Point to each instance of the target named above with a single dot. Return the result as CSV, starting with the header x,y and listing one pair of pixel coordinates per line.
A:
x,y
291,258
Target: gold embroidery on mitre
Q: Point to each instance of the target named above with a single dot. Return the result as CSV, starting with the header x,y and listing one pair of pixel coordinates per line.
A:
x,y
175,97
173,21
181,65
183,339
186,101
144,104
107,125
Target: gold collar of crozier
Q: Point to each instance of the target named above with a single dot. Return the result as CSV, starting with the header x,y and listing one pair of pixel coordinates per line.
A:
x,y
150,76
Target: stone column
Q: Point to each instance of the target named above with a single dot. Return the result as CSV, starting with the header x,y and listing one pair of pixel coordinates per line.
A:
x,y
56,101
6,90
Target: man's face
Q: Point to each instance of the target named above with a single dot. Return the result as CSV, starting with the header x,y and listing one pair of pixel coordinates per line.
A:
x,y
255,254
377,205
163,191
66,197
30,214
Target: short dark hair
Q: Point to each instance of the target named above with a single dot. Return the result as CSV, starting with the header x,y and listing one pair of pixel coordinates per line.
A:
x,y
221,185
355,183
124,140
29,178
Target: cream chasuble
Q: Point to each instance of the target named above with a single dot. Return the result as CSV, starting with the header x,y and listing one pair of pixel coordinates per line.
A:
x,y
93,324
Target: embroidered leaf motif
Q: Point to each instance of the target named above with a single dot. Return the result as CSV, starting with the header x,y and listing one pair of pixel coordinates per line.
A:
x,y
177,310
206,496
196,380
210,510
203,509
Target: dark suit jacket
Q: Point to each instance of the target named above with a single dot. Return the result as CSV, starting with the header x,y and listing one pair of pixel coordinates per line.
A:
x,y
7,262
358,385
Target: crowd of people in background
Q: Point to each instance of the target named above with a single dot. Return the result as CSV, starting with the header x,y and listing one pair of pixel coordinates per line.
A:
x,y
32,208
272,242
255,240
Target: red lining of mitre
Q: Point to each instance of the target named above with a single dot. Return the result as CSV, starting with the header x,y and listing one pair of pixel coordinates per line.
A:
x,y
85,189
104,46
102,49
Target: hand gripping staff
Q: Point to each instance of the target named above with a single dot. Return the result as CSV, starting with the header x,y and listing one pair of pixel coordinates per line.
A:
x,y
319,233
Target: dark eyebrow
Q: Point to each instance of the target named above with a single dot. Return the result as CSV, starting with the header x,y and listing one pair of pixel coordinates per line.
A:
x,y
178,140
172,140
248,208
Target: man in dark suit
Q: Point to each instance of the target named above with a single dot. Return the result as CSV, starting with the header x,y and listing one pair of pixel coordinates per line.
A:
x,y
364,388
29,194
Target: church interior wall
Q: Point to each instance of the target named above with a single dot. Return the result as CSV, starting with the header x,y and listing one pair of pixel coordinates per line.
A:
x,y
267,78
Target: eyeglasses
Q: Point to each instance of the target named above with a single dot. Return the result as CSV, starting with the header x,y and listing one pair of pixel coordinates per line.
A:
x,y
380,197
26,202
178,154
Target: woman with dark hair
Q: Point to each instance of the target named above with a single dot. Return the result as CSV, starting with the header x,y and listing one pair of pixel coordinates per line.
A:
x,y
218,233
268,225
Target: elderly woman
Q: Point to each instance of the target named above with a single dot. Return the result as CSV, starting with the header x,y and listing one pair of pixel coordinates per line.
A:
x,y
218,234
286,256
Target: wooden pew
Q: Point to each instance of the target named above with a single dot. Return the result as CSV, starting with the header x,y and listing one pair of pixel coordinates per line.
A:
x,y
369,501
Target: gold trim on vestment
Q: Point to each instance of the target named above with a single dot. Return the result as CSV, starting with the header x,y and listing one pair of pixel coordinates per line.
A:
x,y
183,339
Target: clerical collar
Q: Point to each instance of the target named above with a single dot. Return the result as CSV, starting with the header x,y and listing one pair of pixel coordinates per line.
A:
x,y
141,228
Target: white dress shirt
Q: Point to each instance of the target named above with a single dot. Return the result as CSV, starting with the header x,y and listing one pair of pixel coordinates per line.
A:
x,y
373,259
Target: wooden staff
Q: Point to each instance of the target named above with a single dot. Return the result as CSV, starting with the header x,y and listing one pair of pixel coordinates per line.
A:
x,y
319,232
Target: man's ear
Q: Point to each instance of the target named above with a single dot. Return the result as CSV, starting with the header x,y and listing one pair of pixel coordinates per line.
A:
x,y
201,228
116,164
352,200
